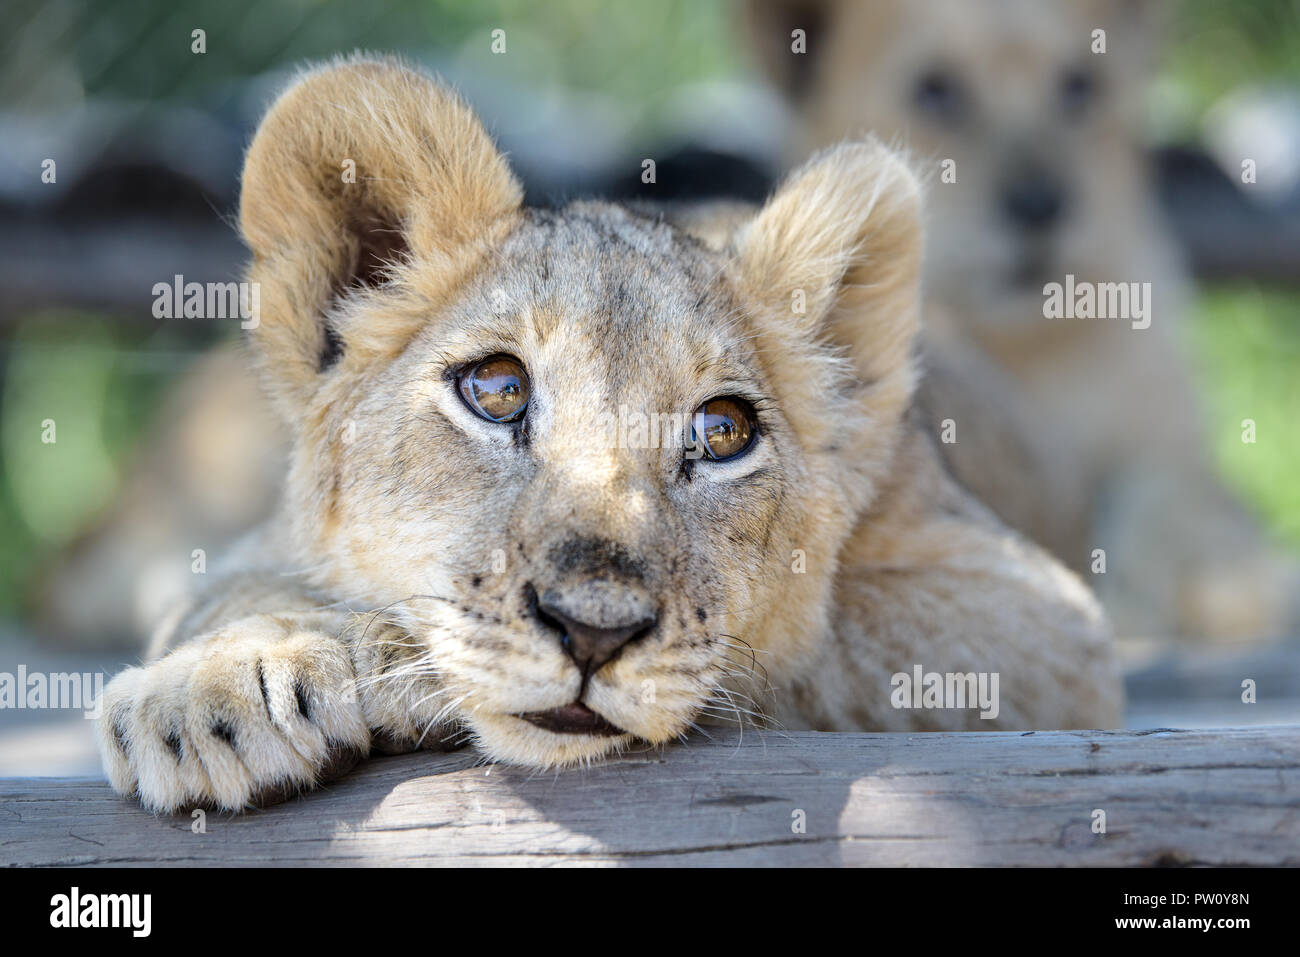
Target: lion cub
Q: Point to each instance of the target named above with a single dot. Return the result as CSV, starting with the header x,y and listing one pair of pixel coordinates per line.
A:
x,y
468,551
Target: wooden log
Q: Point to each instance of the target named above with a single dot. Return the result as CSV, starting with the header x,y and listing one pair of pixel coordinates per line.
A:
x,y
1169,797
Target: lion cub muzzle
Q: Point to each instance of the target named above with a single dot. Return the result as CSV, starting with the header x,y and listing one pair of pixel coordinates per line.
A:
x,y
597,618
594,615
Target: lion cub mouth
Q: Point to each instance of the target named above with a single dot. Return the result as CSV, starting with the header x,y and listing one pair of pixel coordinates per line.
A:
x,y
572,718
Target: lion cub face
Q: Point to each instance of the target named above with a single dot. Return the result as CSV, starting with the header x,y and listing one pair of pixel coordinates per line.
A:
x,y
572,573
1029,136
572,454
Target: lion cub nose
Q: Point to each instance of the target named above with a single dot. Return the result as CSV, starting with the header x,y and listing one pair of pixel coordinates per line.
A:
x,y
597,618
1034,203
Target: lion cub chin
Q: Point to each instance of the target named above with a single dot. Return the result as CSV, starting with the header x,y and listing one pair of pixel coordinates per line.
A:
x,y
565,482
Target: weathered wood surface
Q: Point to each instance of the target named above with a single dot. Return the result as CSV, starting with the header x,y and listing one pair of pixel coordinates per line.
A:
x,y
1170,797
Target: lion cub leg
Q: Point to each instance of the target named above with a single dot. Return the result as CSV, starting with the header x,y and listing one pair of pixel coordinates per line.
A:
x,y
248,714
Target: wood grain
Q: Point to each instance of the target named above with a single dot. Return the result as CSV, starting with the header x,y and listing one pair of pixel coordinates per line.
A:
x,y
1170,797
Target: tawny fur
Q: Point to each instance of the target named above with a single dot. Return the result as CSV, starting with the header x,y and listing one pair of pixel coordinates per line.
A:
x,y
386,607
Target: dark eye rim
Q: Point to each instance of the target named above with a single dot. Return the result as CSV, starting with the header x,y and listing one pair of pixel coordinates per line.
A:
x,y
755,427
459,374
1079,86
938,92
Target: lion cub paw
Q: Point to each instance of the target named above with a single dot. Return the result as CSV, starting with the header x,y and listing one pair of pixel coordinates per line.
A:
x,y
248,716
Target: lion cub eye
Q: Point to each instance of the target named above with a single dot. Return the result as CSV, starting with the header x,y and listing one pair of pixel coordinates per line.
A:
x,y
726,426
1078,89
495,388
938,93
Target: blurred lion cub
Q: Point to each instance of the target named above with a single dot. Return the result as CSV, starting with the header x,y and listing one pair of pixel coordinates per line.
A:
x,y
1031,130
463,553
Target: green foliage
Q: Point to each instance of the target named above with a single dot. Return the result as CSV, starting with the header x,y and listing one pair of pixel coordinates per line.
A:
x,y
633,52
1216,46
98,381
1247,344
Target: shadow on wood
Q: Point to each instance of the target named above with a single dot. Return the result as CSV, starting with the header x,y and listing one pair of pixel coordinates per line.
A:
x,y
1169,797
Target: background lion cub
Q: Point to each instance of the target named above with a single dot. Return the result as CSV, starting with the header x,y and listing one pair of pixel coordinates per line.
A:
x,y
1030,127
464,553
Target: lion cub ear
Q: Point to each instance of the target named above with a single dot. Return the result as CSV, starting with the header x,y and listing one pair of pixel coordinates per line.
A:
x,y
835,255
359,167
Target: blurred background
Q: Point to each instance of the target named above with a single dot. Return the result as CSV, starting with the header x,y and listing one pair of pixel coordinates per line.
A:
x,y
147,137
